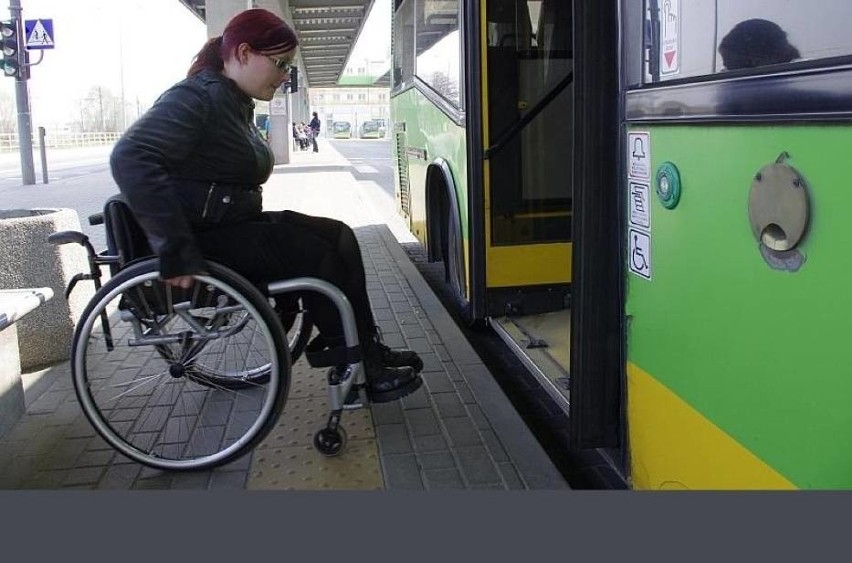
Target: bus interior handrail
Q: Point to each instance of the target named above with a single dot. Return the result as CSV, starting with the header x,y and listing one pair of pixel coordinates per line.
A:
x,y
529,116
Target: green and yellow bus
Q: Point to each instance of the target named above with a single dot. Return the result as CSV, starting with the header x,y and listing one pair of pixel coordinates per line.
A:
x,y
370,130
647,200
341,130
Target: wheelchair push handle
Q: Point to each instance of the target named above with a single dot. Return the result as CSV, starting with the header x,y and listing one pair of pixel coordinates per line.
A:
x,y
66,237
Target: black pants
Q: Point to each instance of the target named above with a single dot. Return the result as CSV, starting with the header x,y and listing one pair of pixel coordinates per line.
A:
x,y
285,244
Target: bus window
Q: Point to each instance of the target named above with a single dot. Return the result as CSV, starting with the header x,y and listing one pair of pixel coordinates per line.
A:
x,y
530,112
403,55
438,47
745,34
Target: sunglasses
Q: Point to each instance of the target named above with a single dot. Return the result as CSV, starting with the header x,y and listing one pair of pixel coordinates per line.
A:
x,y
281,64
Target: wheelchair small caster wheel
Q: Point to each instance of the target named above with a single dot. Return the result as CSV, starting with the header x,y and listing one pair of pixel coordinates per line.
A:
x,y
330,442
333,376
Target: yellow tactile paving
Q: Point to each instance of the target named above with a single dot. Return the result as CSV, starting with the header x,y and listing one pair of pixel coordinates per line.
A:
x,y
286,459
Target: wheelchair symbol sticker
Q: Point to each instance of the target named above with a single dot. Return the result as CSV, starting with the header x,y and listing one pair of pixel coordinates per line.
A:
x,y
639,259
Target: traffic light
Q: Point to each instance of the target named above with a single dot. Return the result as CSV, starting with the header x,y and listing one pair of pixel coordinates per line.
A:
x,y
11,48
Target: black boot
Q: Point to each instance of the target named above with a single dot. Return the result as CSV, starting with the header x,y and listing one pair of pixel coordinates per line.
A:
x,y
387,356
386,383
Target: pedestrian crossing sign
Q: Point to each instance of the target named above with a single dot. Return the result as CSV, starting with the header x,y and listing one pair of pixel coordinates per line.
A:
x,y
38,34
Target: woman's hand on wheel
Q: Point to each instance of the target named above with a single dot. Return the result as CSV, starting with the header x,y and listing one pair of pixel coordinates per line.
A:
x,y
184,282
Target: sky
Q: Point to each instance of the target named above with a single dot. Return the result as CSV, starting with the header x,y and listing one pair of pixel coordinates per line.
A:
x,y
143,46
140,47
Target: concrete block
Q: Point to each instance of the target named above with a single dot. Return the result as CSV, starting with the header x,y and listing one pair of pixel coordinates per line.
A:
x,y
44,336
11,388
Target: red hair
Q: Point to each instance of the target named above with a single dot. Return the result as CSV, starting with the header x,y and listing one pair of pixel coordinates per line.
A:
x,y
262,30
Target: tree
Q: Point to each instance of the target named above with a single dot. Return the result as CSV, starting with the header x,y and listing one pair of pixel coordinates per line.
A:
x,y
100,110
8,114
444,85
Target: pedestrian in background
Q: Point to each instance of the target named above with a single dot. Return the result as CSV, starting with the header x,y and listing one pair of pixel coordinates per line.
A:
x,y
315,130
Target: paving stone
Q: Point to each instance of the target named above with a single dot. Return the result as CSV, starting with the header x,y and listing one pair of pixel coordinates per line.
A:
x,y
48,402
464,392
191,481
510,476
431,362
495,448
387,413
413,331
462,432
65,455
478,417
453,371
432,443
119,476
400,308
441,352
477,466
422,422
443,479
160,482
417,400
393,439
95,458
83,476
436,460
228,480
448,404
438,382
401,472
52,479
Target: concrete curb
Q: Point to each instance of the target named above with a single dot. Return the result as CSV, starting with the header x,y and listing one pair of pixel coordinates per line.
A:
x,y
533,464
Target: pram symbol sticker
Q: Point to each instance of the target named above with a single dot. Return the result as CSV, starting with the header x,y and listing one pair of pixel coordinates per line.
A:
x,y
639,259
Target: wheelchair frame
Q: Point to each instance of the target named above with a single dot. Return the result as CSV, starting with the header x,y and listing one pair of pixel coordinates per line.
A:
x,y
184,334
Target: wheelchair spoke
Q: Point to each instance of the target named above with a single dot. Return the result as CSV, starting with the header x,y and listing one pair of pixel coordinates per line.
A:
x,y
193,378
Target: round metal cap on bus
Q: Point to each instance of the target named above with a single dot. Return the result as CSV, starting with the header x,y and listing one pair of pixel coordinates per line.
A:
x,y
668,185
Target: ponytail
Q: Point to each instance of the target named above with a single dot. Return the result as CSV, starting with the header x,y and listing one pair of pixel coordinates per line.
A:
x,y
208,58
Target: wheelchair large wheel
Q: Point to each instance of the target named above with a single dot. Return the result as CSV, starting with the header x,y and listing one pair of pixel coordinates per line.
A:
x,y
148,393
298,328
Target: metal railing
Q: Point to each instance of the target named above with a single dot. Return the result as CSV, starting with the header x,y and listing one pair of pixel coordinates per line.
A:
x,y
9,141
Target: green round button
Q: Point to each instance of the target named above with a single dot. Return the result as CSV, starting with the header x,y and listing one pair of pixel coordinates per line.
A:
x,y
668,185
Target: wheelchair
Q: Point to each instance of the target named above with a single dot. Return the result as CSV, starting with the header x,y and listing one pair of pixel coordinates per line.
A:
x,y
190,379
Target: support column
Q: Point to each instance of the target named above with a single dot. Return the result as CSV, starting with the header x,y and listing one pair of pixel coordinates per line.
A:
x,y
218,13
280,129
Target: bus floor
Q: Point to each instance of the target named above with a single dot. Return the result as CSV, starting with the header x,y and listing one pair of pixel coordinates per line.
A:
x,y
542,342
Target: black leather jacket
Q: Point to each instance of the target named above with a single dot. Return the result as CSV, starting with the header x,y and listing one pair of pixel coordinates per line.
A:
x,y
193,161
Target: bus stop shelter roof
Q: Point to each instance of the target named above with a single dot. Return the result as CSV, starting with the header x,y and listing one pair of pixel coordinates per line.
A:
x,y
327,30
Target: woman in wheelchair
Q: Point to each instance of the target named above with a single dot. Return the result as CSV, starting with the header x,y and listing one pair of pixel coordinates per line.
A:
x,y
191,170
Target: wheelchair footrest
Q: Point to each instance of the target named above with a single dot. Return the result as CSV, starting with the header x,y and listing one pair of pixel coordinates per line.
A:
x,y
320,355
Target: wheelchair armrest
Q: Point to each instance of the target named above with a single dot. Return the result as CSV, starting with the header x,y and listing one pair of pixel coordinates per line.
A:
x,y
96,219
64,237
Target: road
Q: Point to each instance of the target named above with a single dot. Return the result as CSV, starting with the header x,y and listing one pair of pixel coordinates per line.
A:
x,y
62,164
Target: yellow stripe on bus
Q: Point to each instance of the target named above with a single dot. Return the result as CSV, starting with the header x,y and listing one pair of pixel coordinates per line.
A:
x,y
511,266
673,446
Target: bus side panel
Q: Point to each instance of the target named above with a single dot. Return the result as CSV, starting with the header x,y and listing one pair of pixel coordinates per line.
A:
x,y
737,372
430,134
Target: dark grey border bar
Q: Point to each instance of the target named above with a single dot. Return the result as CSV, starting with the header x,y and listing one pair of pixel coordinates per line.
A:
x,y
809,95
